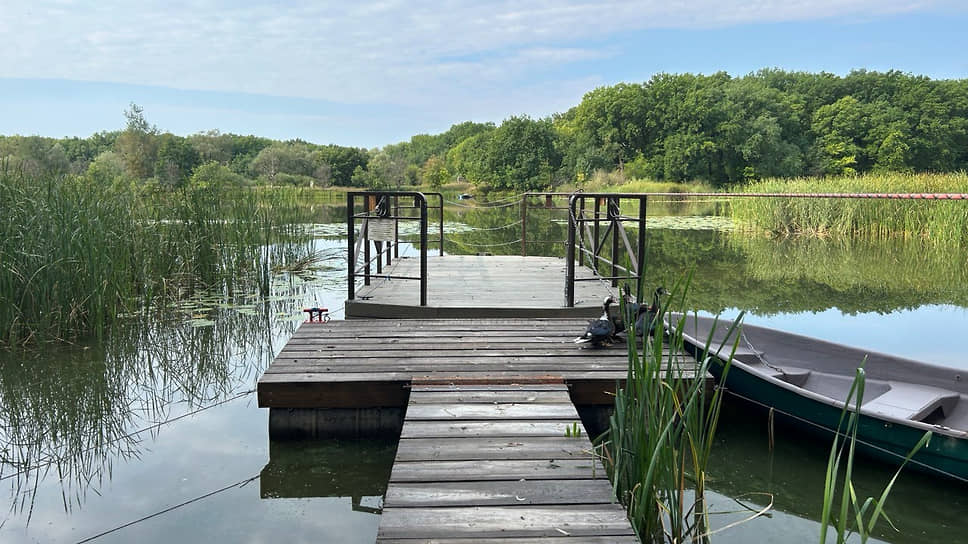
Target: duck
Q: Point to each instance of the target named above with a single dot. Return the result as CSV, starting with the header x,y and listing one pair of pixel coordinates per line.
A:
x,y
600,332
645,316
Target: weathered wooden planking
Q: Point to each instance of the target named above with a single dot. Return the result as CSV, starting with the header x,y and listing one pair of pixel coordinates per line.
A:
x,y
511,469
483,474
316,370
501,447
435,429
493,411
499,493
505,521
487,396
489,286
514,540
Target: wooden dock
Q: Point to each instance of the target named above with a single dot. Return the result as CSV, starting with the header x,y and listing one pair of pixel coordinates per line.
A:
x,y
479,286
497,462
486,389
372,363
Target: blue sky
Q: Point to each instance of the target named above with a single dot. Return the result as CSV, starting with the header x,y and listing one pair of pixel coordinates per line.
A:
x,y
372,73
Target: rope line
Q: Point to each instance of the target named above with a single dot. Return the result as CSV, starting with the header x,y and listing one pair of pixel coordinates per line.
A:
x,y
135,433
487,207
239,484
469,228
458,242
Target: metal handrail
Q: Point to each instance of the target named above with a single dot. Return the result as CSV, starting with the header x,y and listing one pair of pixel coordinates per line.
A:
x,y
582,228
386,205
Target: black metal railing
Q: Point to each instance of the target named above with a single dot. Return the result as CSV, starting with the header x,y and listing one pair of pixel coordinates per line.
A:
x,y
593,228
379,214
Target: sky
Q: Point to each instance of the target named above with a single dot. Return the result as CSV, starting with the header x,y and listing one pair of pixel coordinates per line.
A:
x,y
368,74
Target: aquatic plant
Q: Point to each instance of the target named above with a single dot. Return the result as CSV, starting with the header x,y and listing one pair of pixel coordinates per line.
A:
x,y
78,251
660,436
850,516
941,222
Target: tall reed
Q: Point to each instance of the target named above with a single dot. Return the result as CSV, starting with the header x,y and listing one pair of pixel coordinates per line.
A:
x,y
660,436
78,251
942,222
849,515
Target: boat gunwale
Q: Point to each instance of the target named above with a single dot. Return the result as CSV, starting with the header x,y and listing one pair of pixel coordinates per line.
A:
x,y
944,430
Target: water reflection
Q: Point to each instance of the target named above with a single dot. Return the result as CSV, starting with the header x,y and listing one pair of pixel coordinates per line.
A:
x,y
924,509
359,469
72,417
75,464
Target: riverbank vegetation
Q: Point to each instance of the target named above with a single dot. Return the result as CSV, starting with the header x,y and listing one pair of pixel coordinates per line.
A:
x,y
943,223
78,252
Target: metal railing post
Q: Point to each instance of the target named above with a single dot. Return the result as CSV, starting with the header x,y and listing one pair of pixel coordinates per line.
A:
x,y
366,242
615,216
350,248
643,206
524,225
423,250
570,255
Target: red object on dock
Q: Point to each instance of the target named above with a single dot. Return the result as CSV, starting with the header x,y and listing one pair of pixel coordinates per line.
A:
x,y
317,315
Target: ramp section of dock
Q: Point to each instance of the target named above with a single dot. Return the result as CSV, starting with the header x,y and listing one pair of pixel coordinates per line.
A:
x,y
497,462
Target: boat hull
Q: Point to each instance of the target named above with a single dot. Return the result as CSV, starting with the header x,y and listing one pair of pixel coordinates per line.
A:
x,y
883,438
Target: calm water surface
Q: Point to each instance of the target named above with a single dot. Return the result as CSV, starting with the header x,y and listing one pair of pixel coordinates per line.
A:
x,y
74,466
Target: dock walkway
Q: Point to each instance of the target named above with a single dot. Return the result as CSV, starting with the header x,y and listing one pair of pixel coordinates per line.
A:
x,y
497,462
480,286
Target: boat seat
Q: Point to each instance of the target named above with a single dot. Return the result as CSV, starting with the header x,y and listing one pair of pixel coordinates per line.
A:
x,y
793,375
726,349
912,401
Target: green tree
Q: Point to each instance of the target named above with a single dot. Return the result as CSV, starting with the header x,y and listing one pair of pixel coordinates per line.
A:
x,y
138,144
177,158
215,175
522,155
434,172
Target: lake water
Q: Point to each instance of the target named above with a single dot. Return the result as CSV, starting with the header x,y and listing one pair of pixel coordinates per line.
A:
x,y
75,466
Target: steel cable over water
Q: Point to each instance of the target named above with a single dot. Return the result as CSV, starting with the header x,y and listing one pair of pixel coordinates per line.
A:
x,y
238,484
135,433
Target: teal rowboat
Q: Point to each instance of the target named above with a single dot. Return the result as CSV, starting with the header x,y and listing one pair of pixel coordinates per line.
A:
x,y
809,379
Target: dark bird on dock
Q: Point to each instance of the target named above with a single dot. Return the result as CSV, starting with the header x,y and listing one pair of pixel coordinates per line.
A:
x,y
645,316
600,332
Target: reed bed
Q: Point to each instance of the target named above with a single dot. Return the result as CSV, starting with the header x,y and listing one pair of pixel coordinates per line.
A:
x,y
77,252
660,437
941,222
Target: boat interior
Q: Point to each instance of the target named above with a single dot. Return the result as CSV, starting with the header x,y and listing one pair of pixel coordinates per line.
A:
x,y
894,387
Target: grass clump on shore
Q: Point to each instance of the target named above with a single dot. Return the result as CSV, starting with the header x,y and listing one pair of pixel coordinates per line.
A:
x,y
943,222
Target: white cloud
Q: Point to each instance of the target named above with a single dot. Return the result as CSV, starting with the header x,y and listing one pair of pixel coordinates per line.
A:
x,y
393,52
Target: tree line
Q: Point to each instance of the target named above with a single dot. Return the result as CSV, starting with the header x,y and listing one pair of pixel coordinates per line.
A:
x,y
674,127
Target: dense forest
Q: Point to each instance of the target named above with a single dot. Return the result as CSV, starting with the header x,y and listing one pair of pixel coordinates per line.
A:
x,y
675,127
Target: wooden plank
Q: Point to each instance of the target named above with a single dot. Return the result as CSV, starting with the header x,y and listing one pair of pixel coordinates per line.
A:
x,y
375,375
489,388
510,429
514,540
487,397
572,352
499,493
505,521
463,449
508,469
499,411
